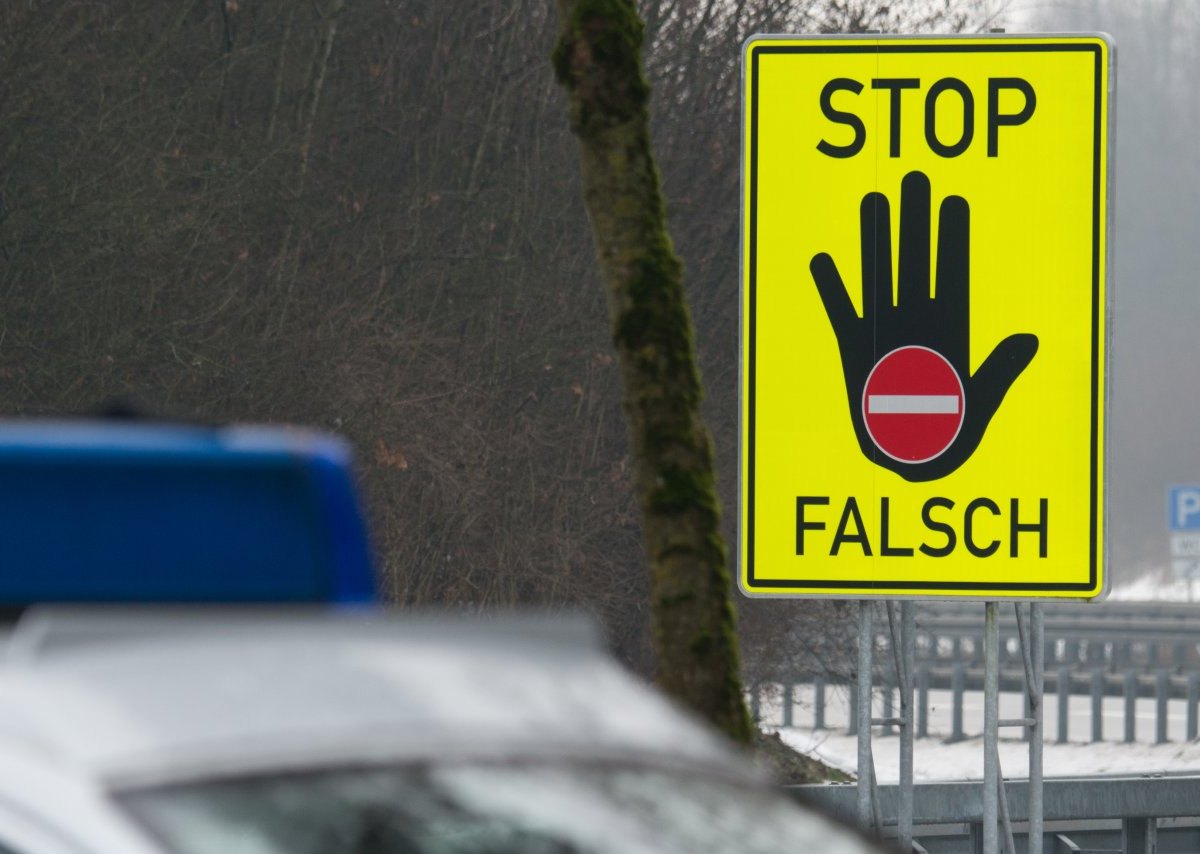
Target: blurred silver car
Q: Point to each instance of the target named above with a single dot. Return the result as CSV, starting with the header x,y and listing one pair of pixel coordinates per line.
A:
x,y
260,731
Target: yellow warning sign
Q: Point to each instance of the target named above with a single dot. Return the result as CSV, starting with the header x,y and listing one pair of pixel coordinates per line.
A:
x,y
924,316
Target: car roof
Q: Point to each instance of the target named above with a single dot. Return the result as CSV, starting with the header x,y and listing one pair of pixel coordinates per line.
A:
x,y
139,697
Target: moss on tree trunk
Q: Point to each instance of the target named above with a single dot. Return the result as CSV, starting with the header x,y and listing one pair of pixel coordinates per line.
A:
x,y
598,61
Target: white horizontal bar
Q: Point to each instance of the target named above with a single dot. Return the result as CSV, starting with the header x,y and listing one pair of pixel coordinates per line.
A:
x,y
912,404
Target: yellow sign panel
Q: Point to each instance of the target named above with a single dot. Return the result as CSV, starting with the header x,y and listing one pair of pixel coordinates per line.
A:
x,y
924,316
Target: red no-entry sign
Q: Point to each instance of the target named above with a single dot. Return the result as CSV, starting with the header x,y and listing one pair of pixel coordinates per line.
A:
x,y
913,404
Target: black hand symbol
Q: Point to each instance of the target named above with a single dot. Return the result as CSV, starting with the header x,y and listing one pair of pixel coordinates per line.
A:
x,y
940,323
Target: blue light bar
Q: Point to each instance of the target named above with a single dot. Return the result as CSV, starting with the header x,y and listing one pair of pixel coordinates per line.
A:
x,y
140,512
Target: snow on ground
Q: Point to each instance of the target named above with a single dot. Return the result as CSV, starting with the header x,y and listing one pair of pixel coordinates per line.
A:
x,y
933,759
1156,588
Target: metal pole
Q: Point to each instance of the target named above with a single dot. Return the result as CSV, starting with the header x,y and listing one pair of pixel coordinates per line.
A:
x,y
866,637
876,810
1005,817
1037,694
991,720
1033,651
1027,712
908,643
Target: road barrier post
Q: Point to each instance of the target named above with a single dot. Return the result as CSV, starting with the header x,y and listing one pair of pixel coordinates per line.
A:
x,y
1097,705
958,680
1193,698
923,702
1064,700
1162,691
1131,691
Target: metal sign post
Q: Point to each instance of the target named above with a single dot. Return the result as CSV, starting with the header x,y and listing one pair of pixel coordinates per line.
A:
x,y
991,720
904,652
1034,645
997,825
866,764
1030,629
903,645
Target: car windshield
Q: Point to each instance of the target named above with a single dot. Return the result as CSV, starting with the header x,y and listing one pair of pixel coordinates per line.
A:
x,y
483,809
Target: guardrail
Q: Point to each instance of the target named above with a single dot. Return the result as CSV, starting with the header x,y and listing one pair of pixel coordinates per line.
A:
x,y
1115,814
1063,683
1120,635
1132,650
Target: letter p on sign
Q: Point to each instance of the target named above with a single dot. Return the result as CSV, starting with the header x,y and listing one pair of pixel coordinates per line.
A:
x,y
1183,510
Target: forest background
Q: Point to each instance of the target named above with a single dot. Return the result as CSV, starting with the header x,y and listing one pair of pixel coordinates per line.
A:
x,y
366,217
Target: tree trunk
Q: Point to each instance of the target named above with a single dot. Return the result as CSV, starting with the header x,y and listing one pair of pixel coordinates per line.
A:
x,y
598,61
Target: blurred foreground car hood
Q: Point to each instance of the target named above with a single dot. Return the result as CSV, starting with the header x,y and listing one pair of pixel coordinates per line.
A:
x,y
140,697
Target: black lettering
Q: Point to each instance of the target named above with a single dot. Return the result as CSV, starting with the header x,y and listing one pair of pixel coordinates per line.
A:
x,y
842,537
940,527
801,525
968,526
895,85
885,549
996,119
1042,526
841,117
935,144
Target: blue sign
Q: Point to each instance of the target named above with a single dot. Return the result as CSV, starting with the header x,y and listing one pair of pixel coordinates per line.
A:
x,y
1183,508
